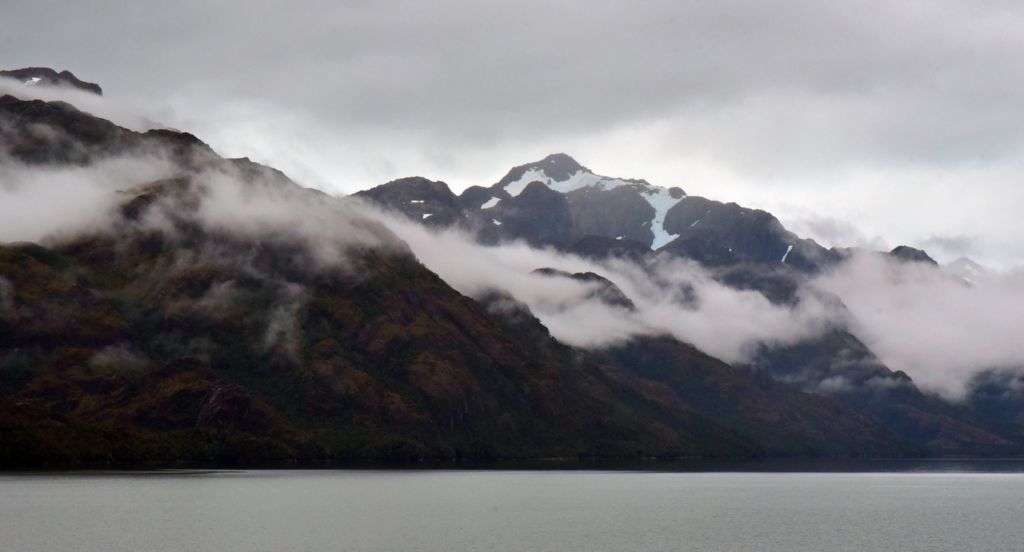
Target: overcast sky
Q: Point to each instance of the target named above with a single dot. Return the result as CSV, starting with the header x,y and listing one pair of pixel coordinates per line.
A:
x,y
868,122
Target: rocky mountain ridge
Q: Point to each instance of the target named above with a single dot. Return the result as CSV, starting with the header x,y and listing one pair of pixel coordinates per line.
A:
x,y
746,249
45,76
172,335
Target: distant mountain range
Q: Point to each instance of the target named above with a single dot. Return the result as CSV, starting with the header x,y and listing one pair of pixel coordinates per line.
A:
x,y
172,333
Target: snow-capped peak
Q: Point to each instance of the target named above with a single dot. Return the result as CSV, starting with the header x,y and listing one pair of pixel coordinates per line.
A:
x,y
563,174
575,181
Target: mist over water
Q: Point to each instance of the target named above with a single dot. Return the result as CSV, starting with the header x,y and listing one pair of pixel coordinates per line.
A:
x,y
544,511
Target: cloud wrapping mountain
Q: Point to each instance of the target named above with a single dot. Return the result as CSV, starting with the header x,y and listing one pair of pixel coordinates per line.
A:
x,y
898,310
937,327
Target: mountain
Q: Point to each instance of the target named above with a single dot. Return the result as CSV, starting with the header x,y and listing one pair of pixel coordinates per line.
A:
x,y
223,314
171,335
908,254
841,367
78,138
717,234
185,341
997,398
604,291
554,201
597,205
44,76
670,372
558,202
967,270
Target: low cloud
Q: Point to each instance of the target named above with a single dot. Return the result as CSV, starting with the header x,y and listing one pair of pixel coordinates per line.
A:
x,y
258,208
833,232
958,245
936,327
672,296
117,112
42,203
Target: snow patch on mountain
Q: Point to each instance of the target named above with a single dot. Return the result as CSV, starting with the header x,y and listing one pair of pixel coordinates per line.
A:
x,y
576,181
491,203
786,254
661,200
579,180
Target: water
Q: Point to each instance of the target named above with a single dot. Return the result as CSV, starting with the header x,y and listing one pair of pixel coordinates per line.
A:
x,y
511,510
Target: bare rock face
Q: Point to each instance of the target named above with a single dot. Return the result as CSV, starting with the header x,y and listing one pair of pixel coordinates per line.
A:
x,y
428,201
44,76
618,213
37,132
598,206
600,248
716,234
909,254
539,215
557,166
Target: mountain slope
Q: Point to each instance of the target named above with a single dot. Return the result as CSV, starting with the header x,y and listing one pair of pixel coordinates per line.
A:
x,y
190,329
558,202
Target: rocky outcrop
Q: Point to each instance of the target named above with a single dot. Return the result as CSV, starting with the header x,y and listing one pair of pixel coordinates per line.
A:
x,y
716,234
427,201
44,76
908,254
37,132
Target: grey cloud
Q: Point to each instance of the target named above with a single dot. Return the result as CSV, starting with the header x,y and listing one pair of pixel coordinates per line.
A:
x,y
723,322
952,245
933,326
127,116
737,100
833,232
38,204
924,81
916,318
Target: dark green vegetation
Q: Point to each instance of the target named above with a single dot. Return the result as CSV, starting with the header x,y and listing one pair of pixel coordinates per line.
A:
x,y
165,336
141,345
181,344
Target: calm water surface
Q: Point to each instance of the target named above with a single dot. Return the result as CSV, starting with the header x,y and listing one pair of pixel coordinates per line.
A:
x,y
511,510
